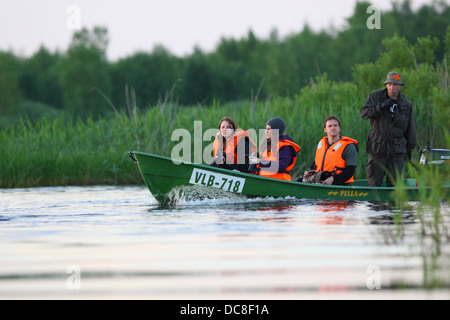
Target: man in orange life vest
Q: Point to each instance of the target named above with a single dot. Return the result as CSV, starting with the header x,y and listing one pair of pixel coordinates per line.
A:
x,y
278,152
335,154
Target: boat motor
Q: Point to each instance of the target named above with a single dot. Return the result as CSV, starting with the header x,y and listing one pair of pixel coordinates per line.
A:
x,y
434,156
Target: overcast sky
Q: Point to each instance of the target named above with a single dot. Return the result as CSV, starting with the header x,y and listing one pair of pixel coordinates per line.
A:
x,y
178,25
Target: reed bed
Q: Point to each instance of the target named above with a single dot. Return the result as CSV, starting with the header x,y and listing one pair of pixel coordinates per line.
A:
x,y
432,218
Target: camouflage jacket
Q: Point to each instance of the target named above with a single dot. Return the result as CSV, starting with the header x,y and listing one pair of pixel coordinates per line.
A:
x,y
390,134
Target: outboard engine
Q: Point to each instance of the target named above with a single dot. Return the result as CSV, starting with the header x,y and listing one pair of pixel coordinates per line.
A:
x,y
434,156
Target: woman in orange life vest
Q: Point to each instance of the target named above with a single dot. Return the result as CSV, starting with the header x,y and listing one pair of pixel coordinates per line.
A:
x,y
278,153
232,147
335,154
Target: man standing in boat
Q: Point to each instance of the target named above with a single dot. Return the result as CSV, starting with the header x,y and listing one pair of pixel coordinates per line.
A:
x,y
336,156
392,135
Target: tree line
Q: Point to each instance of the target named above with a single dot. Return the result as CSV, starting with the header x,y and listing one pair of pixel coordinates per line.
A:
x,y
81,81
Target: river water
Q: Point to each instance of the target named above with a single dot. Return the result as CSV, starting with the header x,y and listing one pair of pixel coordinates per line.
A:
x,y
106,242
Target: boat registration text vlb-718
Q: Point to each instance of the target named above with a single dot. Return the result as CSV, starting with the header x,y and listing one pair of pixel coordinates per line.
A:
x,y
217,180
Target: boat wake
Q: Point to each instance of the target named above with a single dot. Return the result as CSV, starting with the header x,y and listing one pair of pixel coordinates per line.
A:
x,y
198,195
201,196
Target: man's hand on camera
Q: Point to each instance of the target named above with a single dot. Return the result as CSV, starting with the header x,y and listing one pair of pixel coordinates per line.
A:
x,y
388,103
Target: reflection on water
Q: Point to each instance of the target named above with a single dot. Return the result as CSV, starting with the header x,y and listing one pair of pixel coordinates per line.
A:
x,y
117,242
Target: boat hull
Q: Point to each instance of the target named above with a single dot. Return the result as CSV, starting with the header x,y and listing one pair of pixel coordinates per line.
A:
x,y
162,176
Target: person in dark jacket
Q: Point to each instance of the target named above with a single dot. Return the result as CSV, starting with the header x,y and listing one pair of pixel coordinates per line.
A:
x,y
277,154
392,134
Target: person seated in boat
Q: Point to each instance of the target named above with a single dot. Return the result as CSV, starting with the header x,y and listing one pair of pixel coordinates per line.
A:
x,y
336,157
232,147
277,153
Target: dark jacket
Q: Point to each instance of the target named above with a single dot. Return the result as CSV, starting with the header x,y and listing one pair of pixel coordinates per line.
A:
x,y
389,135
286,155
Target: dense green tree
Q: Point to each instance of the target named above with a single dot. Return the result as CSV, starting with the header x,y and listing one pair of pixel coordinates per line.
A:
x,y
229,79
151,75
430,20
309,52
197,80
85,77
245,59
9,83
39,79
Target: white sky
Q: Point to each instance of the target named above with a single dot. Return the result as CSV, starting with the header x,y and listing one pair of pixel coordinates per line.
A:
x,y
178,25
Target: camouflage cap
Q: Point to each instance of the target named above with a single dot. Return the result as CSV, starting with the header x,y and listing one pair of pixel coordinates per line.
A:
x,y
394,77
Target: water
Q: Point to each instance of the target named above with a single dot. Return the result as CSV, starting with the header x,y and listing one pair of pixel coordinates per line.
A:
x,y
107,242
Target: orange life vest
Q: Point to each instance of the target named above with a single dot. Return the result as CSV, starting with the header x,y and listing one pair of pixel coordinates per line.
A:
x,y
230,145
273,156
330,158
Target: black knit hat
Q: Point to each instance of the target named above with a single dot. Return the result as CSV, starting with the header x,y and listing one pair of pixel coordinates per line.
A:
x,y
277,123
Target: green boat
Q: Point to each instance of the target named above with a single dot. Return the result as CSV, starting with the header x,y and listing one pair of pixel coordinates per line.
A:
x,y
166,179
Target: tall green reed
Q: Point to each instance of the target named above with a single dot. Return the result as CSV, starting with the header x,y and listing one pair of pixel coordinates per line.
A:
x,y
433,218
